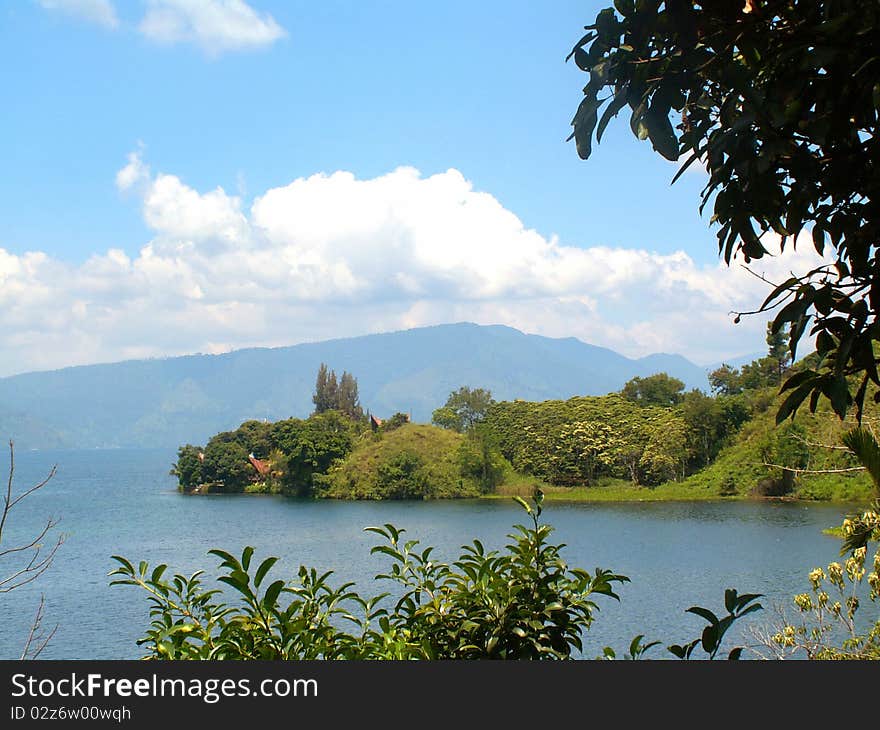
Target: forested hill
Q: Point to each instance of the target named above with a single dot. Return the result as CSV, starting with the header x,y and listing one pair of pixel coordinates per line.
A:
x,y
166,402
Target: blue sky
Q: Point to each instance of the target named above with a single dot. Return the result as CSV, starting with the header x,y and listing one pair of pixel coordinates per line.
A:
x,y
142,124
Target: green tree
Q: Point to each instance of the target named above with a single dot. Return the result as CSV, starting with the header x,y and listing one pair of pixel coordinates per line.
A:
x,y
665,453
337,394
725,380
347,398
323,439
285,434
394,422
325,397
255,437
480,459
402,477
188,467
778,100
760,373
464,408
226,463
659,389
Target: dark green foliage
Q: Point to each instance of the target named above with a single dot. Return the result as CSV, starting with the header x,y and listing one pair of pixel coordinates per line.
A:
x,y
188,467
285,434
332,394
728,487
725,380
712,637
779,100
464,408
864,447
710,422
226,464
256,437
402,477
777,344
296,450
765,372
523,602
347,398
324,439
396,421
761,373
655,390
481,460
325,390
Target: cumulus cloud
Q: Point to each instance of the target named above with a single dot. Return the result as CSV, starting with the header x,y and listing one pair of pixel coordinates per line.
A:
x,y
214,25
100,12
332,255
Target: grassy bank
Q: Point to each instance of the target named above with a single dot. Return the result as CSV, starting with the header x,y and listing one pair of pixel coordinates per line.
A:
x,y
690,490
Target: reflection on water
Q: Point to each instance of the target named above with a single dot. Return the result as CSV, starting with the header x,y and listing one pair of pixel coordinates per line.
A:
x,y
124,502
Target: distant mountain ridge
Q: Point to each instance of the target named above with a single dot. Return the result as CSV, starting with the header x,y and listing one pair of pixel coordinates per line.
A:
x,y
166,402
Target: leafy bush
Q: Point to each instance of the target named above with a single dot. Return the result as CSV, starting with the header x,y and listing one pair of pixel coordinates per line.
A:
x,y
523,602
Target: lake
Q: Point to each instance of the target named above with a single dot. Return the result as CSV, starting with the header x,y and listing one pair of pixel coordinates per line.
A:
x,y
124,502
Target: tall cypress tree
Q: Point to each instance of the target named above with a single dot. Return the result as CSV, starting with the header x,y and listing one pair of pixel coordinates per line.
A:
x,y
337,394
348,400
325,390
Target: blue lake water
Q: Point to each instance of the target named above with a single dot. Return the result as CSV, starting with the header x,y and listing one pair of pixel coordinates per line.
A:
x,y
124,502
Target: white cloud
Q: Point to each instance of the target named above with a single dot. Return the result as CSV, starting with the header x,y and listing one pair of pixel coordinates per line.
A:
x,y
101,12
332,255
134,173
214,25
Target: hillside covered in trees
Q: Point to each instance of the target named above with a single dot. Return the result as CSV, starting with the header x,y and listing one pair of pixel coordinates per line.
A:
x,y
652,438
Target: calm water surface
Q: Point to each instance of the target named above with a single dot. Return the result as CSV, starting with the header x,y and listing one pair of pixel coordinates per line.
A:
x,y
124,502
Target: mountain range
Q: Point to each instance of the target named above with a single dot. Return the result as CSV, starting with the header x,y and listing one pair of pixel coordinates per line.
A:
x,y
171,401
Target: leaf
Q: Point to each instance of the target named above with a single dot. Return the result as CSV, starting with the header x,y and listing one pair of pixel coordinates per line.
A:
x,y
792,402
797,379
582,59
735,654
225,557
157,573
681,170
246,556
617,103
272,593
704,613
839,396
522,503
581,43
730,601
662,134
637,122
584,122
710,638
264,568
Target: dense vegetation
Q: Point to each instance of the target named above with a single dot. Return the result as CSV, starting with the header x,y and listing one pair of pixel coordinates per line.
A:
x,y
650,435
409,462
778,100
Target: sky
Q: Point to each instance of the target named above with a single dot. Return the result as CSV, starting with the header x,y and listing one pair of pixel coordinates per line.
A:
x,y
188,176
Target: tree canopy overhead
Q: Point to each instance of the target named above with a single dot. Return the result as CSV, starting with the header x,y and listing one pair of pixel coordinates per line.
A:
x,y
779,100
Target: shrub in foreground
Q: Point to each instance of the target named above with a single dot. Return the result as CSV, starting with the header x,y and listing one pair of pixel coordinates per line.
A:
x,y
522,602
